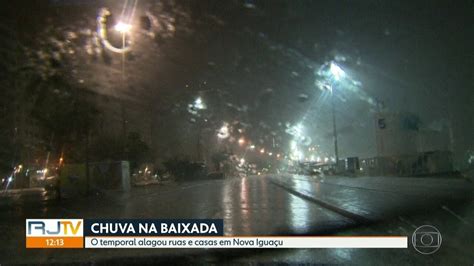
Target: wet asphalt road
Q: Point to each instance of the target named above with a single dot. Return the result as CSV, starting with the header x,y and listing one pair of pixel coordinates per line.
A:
x,y
272,205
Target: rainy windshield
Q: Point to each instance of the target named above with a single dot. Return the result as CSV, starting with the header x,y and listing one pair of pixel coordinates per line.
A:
x,y
279,117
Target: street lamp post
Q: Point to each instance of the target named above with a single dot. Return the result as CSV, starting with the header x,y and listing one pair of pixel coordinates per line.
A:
x,y
197,106
334,128
123,29
337,73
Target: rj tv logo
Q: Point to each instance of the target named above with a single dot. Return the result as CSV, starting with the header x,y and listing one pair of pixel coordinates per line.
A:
x,y
54,233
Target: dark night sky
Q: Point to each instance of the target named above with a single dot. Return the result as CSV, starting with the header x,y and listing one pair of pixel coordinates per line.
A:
x,y
413,55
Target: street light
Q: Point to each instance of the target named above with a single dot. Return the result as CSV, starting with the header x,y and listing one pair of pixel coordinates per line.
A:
x,y
102,32
199,104
123,28
336,71
223,132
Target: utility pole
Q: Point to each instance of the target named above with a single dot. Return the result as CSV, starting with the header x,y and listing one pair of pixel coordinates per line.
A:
x,y
334,128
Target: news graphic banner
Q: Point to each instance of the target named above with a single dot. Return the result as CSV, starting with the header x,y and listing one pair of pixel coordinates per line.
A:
x,y
51,233
177,233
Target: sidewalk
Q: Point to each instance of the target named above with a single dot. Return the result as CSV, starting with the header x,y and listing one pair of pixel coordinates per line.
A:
x,y
377,198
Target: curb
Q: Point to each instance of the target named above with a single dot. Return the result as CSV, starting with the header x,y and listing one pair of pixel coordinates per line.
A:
x,y
353,216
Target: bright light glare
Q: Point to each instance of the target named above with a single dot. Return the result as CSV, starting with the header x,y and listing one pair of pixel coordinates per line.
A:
x,y
123,27
198,103
296,155
241,141
336,71
299,128
223,132
293,145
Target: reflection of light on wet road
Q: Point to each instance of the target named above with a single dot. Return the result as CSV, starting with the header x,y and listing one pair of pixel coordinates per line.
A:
x,y
262,184
227,203
245,208
299,210
348,199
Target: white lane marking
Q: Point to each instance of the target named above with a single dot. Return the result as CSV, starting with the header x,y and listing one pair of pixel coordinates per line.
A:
x,y
444,207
